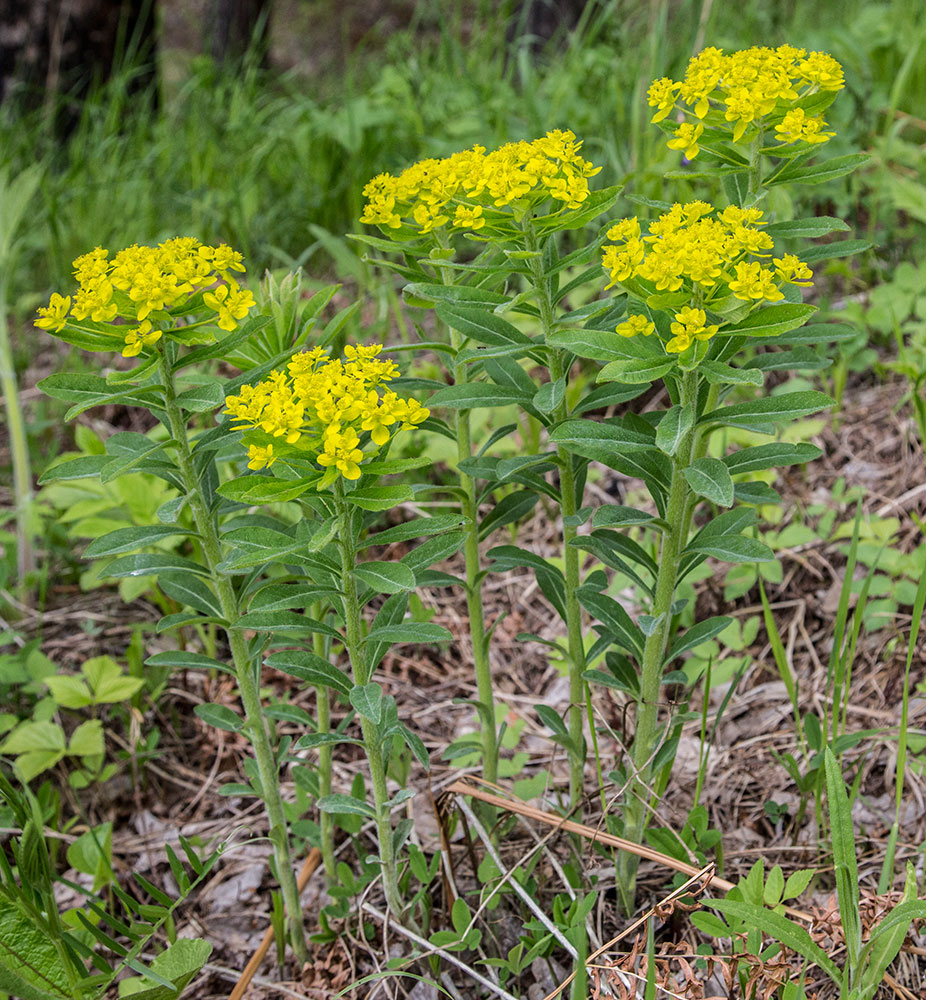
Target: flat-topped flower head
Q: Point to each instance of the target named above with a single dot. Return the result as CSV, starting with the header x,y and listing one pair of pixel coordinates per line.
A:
x,y
324,407
708,255
148,288
729,93
454,192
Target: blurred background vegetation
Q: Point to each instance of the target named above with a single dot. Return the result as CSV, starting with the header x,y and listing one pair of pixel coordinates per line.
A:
x,y
258,122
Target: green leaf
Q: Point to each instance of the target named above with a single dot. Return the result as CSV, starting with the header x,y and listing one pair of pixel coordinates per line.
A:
x,y
380,497
202,398
596,345
186,660
367,699
717,373
840,248
770,456
178,964
153,563
284,621
759,413
549,396
69,692
731,548
86,391
600,441
456,295
612,615
386,577
283,596
771,321
346,804
636,372
843,837
108,682
191,591
710,478
509,509
311,668
258,489
614,515
701,632
481,325
126,539
799,359
477,395
30,966
85,467
818,173
810,228
782,929
673,427
220,716
87,739
408,632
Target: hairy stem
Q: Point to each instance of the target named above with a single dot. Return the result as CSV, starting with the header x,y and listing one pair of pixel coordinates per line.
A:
x,y
568,502
323,711
246,671
372,741
654,649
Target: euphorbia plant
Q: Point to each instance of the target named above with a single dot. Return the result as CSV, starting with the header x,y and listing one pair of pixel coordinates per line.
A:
x,y
339,415
175,306
511,203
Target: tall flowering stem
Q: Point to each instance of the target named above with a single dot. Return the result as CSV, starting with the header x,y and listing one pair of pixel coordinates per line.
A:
x,y
646,735
246,668
362,674
325,754
568,507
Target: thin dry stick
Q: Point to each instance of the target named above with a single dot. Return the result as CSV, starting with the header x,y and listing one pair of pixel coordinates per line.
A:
x,y
308,866
445,955
522,809
680,891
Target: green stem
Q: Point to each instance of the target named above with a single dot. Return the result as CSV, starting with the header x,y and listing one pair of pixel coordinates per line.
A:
x,y
755,172
19,450
568,507
654,649
469,507
325,756
372,741
246,671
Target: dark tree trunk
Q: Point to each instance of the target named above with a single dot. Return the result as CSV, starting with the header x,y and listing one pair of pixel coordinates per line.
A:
x,y
540,20
235,28
51,48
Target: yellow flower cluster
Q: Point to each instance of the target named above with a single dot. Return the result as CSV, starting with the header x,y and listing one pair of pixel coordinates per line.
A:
x,y
456,190
141,282
322,406
695,249
745,88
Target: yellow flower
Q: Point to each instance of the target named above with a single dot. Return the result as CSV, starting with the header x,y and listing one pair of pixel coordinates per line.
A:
x,y
661,95
468,217
230,302
686,138
342,452
634,325
793,270
796,126
689,325
755,283
55,314
260,456
142,336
